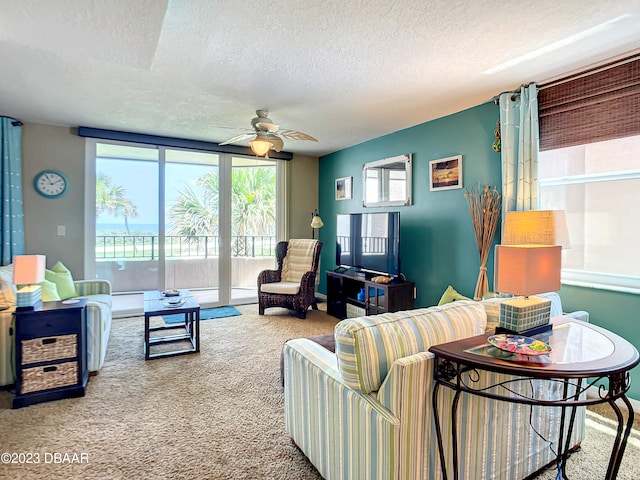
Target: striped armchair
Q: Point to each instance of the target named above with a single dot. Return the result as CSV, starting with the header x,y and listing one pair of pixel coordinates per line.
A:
x,y
293,284
365,412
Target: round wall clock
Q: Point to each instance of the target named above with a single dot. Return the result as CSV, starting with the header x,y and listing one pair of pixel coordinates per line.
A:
x,y
51,183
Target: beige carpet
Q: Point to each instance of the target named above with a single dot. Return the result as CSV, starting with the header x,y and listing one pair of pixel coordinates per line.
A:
x,y
216,415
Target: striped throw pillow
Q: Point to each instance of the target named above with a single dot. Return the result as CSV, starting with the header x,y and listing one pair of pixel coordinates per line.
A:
x,y
298,260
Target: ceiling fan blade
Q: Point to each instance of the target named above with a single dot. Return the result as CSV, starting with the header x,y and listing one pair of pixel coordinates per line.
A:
x,y
237,138
278,144
296,135
266,127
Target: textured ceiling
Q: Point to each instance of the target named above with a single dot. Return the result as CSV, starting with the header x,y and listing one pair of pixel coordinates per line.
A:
x,y
342,71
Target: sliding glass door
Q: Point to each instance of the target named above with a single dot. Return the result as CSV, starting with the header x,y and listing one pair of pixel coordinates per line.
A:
x,y
170,218
127,217
191,227
253,223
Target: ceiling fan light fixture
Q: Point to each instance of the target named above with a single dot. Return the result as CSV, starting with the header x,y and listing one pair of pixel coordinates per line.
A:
x,y
268,136
260,146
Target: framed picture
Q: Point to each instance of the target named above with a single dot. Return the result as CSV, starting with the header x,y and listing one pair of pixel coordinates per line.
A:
x,y
343,188
445,173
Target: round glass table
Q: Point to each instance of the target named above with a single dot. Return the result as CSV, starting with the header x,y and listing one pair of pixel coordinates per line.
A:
x,y
583,357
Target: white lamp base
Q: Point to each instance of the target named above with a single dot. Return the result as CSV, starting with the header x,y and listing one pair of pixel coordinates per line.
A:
x,y
525,313
29,296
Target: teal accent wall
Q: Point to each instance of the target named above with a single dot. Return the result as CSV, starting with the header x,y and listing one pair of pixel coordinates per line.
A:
x,y
437,243
618,312
438,246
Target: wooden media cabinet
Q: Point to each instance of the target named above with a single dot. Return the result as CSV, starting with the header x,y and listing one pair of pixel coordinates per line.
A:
x,y
354,295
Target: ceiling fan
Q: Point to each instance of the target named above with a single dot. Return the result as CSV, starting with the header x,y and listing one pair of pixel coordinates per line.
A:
x,y
267,135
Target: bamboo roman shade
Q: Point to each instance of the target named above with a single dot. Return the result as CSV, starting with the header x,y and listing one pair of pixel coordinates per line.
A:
x,y
594,106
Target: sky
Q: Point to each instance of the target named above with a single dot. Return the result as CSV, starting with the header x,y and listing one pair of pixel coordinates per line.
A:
x,y
140,179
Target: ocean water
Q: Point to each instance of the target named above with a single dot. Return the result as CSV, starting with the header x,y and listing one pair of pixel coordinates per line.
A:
x,y
133,227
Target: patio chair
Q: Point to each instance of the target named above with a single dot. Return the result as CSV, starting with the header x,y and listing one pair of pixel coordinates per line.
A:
x,y
292,285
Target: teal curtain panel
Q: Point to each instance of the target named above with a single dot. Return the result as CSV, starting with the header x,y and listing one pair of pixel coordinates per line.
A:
x,y
520,139
11,210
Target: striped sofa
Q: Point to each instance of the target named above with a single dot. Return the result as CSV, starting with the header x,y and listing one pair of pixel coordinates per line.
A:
x,y
98,312
365,412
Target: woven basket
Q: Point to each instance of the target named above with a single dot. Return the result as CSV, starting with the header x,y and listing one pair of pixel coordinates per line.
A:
x,y
49,376
49,348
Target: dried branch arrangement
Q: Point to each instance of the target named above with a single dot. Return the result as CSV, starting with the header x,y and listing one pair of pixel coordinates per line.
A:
x,y
485,207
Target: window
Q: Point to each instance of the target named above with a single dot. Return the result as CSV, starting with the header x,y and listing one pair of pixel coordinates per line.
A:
x,y
590,167
597,186
177,218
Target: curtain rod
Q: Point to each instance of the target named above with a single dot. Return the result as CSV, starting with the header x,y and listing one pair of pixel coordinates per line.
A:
x,y
514,94
14,122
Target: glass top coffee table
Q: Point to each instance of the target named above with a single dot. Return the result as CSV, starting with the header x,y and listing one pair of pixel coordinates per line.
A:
x,y
185,334
582,356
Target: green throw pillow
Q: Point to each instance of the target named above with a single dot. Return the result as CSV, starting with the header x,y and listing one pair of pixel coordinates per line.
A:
x,y
49,291
61,276
450,295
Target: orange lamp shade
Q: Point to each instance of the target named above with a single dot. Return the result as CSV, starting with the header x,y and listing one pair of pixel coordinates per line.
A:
x,y
28,269
527,269
539,227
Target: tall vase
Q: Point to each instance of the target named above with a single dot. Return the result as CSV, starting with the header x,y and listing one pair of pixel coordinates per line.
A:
x,y
482,285
485,207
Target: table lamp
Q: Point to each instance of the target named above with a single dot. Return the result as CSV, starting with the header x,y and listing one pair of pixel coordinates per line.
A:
x,y
529,261
526,270
536,227
28,270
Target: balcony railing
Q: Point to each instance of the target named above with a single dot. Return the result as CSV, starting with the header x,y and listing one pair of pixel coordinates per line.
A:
x,y
369,245
146,247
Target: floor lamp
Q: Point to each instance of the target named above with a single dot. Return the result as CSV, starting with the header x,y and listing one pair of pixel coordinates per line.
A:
x,y
316,222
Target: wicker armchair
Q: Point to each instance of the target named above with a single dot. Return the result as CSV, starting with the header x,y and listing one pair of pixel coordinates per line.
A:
x,y
292,285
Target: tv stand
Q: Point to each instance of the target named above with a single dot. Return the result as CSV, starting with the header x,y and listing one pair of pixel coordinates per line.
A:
x,y
344,301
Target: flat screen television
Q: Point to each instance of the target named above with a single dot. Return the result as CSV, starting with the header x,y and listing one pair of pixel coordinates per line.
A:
x,y
369,242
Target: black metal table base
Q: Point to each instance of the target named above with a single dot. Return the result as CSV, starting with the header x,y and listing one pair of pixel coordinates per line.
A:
x,y
448,374
191,329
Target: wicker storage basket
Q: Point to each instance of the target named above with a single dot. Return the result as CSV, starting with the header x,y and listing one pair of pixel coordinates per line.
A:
x,y
49,376
49,348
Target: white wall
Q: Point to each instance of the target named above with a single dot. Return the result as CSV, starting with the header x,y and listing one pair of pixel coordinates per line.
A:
x,y
303,194
47,146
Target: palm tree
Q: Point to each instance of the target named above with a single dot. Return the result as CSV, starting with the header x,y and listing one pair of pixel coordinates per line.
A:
x,y
253,194
196,212
111,198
